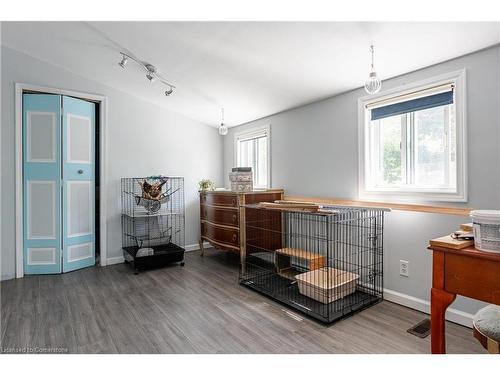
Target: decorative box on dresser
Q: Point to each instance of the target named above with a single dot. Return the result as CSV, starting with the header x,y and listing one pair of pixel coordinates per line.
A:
x,y
222,216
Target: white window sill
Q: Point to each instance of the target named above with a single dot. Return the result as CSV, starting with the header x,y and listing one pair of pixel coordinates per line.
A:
x,y
412,196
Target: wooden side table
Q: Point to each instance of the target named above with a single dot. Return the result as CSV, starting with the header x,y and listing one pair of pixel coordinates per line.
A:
x,y
467,272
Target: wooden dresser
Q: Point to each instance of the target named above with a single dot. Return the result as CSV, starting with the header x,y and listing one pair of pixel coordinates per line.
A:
x,y
222,216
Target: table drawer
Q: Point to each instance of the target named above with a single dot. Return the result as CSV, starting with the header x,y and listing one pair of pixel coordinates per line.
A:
x,y
220,234
472,277
220,215
227,200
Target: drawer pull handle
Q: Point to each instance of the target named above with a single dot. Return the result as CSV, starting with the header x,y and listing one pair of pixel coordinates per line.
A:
x,y
234,218
80,171
235,237
234,201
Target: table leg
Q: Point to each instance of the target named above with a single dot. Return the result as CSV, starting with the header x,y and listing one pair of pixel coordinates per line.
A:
x,y
440,300
200,242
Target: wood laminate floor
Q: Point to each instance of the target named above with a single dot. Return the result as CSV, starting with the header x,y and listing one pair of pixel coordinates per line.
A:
x,y
199,308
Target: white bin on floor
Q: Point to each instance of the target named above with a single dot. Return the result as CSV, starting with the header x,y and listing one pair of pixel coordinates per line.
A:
x,y
327,284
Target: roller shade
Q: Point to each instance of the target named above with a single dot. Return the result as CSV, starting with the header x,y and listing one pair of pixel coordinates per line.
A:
x,y
418,104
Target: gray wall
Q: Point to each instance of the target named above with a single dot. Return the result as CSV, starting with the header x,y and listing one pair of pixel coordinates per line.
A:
x,y
314,152
144,139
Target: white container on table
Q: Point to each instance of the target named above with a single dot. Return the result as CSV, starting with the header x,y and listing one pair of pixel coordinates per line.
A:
x,y
486,225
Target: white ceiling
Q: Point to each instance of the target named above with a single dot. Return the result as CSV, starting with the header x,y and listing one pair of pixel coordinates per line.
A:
x,y
253,69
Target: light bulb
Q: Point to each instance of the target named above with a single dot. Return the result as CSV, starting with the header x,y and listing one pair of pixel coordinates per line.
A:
x,y
373,83
223,129
169,91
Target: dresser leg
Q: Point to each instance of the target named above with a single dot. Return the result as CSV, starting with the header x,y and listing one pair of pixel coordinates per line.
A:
x,y
201,248
440,300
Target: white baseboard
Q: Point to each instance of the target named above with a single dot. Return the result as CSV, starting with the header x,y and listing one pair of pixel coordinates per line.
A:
x,y
192,247
114,260
196,246
453,315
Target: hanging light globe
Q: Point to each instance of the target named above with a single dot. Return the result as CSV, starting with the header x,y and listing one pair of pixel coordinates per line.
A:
x,y
373,83
223,129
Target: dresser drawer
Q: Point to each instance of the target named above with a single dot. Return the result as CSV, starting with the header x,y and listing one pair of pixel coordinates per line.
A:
x,y
226,200
220,215
223,235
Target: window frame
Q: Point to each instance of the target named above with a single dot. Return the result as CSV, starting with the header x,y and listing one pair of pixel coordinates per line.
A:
x,y
460,194
252,133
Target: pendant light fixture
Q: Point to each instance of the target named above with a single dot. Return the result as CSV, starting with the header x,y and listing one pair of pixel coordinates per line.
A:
x,y
373,83
222,128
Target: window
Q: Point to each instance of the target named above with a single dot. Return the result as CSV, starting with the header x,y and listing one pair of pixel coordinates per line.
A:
x,y
412,142
253,150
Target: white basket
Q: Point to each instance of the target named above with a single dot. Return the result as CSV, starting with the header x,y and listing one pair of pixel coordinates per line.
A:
x,y
240,176
327,284
241,186
486,230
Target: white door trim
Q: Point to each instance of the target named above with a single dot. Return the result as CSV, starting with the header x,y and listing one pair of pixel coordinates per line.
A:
x,y
103,146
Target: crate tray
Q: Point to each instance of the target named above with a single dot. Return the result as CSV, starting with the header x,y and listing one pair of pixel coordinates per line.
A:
x,y
287,292
163,254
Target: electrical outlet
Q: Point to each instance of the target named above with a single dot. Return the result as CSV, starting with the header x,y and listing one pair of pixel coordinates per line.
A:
x,y
404,268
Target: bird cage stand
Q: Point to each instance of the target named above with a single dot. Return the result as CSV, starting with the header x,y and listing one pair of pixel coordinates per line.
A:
x,y
153,221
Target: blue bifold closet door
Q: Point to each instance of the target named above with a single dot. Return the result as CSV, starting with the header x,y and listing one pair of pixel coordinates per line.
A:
x,y
78,183
42,183
58,183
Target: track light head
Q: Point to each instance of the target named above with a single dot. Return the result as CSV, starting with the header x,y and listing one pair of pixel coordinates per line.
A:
x,y
123,62
151,72
169,91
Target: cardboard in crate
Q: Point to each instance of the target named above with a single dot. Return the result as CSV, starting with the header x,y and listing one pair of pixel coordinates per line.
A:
x,y
327,284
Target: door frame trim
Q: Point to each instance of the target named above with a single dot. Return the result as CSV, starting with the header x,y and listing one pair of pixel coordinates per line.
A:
x,y
20,88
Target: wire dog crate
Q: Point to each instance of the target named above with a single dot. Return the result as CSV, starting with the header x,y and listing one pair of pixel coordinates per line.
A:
x,y
326,264
152,220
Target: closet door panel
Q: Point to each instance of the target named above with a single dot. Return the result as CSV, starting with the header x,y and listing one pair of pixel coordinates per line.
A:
x,y
41,183
78,184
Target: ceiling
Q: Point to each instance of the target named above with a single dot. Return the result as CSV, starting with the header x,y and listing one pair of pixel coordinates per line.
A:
x,y
252,69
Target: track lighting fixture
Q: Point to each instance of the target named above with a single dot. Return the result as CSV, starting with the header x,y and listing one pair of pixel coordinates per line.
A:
x,y
222,128
151,72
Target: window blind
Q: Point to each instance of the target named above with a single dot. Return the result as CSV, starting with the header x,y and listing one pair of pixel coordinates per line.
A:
x,y
417,104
